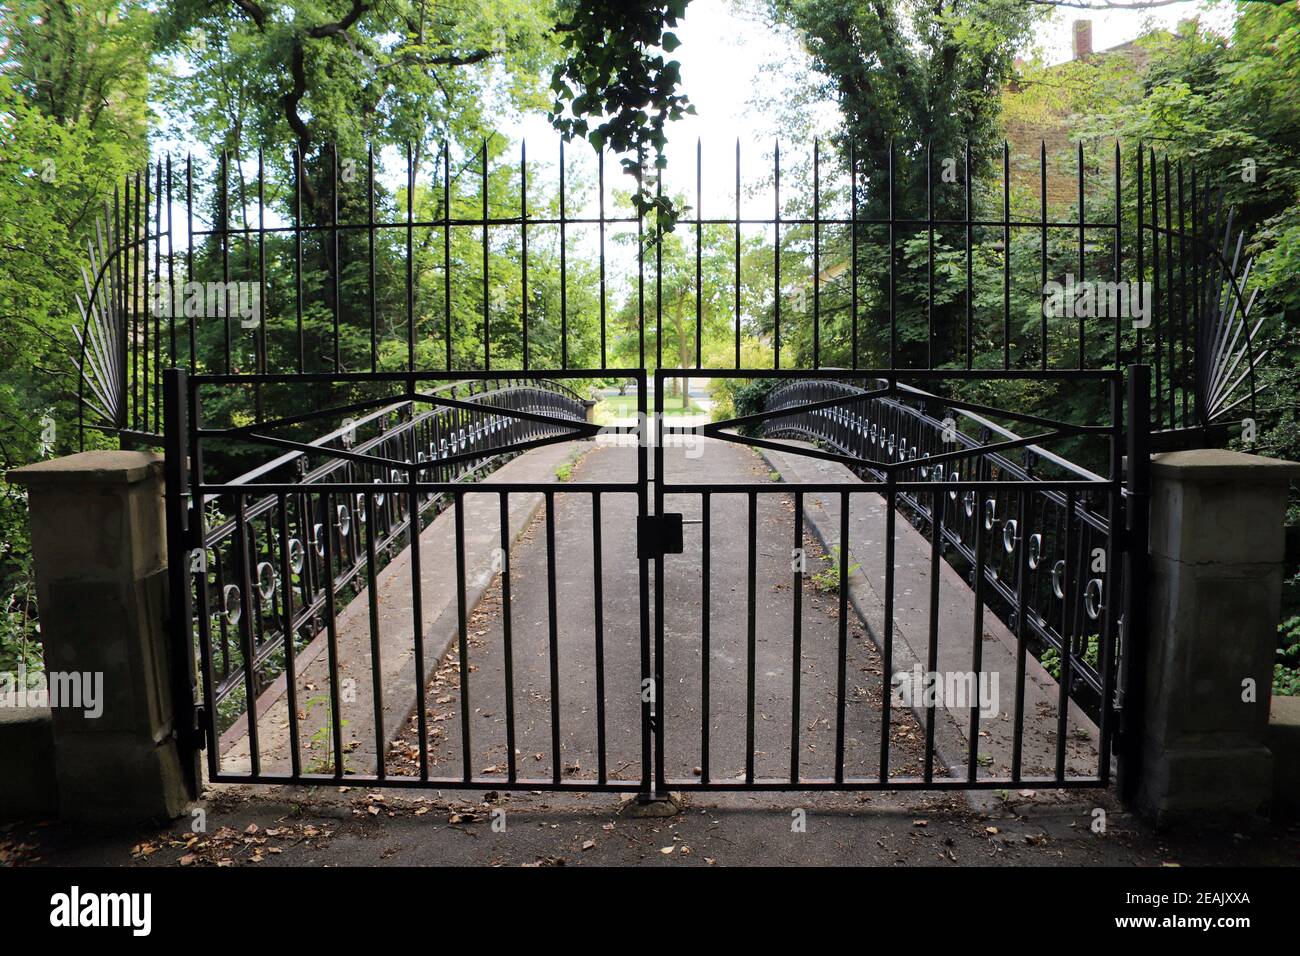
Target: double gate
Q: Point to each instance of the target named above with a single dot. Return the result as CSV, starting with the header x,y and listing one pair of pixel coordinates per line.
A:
x,y
378,605
369,583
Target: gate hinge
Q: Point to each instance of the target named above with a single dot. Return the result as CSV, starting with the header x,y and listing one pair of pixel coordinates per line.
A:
x,y
195,738
657,535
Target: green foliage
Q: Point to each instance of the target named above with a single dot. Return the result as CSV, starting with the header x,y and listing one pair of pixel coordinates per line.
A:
x,y
1286,669
72,121
827,580
1050,657
615,91
738,397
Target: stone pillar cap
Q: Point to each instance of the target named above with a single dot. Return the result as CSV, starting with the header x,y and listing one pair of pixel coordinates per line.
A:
x,y
90,467
1220,464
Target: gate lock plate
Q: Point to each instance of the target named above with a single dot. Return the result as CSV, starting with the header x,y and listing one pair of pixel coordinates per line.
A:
x,y
657,535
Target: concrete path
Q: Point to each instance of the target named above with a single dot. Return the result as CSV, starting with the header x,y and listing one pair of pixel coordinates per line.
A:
x,y
583,576
396,647
323,827
682,700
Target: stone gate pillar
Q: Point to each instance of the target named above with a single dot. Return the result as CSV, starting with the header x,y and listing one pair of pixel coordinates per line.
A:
x,y
99,548
1217,530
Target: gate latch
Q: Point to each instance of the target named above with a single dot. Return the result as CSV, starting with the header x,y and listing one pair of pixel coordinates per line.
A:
x,y
657,535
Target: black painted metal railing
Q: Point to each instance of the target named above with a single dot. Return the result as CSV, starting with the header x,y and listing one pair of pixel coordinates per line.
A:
x,y
238,578
1063,594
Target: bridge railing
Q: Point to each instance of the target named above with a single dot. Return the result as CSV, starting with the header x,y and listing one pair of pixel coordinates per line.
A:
x,y
239,577
1061,591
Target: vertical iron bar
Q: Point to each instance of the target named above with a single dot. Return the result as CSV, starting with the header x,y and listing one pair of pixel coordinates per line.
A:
x,y
887,666
246,650
929,258
1042,248
932,655
446,255
1141,242
853,253
1067,638
564,269
370,249
1174,316
598,595
332,635
977,641
372,602
290,651
417,615
334,246
189,253
1182,295
659,273
1158,344
1136,592
776,258
600,186
1119,244
1083,357
893,314
523,250
970,278
1006,255
553,633
796,655
843,651
737,252
487,297
750,636
1023,515
171,262
706,652
198,517
297,254
817,254
410,263
462,637
699,290
1107,635
507,642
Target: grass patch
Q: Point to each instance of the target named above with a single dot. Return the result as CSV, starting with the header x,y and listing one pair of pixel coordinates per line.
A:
x,y
827,580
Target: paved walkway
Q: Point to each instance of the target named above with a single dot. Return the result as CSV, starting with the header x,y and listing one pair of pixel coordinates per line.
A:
x,y
396,649
682,699
867,513
582,576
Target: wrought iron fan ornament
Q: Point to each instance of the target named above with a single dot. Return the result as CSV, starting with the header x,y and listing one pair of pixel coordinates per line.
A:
x,y
101,340
1226,314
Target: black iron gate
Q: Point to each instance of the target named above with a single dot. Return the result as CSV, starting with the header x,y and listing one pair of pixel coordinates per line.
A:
x,y
285,570
1043,553
273,590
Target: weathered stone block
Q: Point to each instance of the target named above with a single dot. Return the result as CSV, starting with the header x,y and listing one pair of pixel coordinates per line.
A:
x,y
27,780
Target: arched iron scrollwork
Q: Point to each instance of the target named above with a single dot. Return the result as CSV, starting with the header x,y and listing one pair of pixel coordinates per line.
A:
x,y
904,427
326,539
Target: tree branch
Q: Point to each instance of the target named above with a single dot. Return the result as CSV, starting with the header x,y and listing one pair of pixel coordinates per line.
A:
x,y
339,26
253,11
